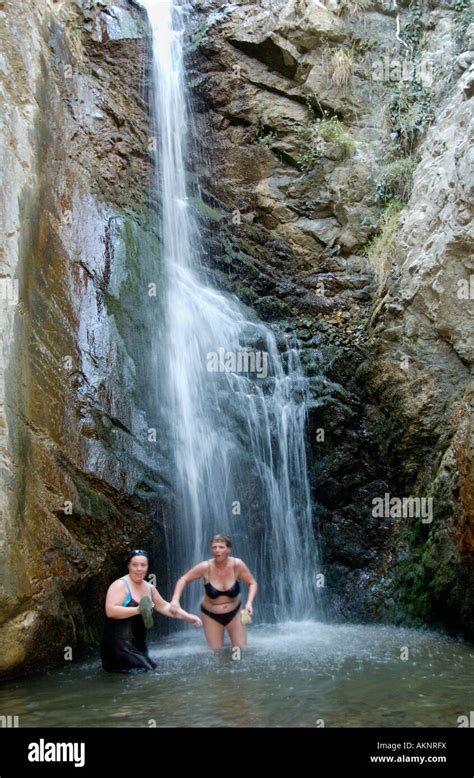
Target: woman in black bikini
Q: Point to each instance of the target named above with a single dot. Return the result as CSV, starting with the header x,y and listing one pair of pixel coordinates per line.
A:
x,y
123,646
221,603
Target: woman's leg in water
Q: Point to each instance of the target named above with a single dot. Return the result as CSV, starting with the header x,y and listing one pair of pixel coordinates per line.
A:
x,y
237,632
214,632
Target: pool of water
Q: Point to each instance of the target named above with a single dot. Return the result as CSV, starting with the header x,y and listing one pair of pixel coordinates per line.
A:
x,y
297,674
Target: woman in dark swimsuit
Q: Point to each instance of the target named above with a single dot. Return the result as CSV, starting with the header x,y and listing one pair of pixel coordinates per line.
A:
x,y
221,602
123,646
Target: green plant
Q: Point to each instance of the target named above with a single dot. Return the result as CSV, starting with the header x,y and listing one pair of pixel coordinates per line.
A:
x,y
412,30
342,62
362,45
267,139
464,16
410,112
379,249
198,37
396,179
206,210
265,136
410,105
322,137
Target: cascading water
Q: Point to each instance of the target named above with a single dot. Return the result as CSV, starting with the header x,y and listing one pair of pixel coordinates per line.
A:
x,y
237,436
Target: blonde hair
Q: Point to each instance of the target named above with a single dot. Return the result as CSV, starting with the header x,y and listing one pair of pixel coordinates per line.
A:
x,y
222,539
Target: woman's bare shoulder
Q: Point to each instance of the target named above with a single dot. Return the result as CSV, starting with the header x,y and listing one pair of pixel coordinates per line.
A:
x,y
117,585
198,571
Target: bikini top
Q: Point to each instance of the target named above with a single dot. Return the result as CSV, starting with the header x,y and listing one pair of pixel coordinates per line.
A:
x,y
213,593
129,601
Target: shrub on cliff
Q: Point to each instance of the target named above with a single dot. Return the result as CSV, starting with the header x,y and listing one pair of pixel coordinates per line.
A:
x,y
324,138
379,249
396,179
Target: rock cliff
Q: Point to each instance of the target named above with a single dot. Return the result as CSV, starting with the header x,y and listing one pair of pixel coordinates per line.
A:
x,y
81,481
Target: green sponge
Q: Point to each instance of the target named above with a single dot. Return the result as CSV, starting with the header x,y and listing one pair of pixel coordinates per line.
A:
x,y
146,610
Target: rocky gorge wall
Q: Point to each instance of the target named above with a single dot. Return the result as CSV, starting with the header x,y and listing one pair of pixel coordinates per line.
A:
x,y
340,184
80,480
333,197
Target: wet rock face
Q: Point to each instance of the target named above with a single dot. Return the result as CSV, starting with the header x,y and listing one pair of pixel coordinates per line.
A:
x,y
422,341
81,482
309,118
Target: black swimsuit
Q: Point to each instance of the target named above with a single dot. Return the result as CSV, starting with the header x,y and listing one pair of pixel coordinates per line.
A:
x,y
213,593
123,647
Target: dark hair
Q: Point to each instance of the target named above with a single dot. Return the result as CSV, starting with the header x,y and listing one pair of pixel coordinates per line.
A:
x,y
137,552
222,539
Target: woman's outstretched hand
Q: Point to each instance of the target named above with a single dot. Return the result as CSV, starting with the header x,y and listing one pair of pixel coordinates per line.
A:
x,y
194,620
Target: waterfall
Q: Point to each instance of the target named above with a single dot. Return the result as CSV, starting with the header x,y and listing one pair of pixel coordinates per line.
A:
x,y
235,402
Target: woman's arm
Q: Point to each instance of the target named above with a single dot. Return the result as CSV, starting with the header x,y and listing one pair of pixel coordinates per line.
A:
x,y
192,575
166,609
116,594
246,576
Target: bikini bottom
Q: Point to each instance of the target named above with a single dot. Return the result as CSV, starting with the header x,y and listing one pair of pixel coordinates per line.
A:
x,y
222,618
